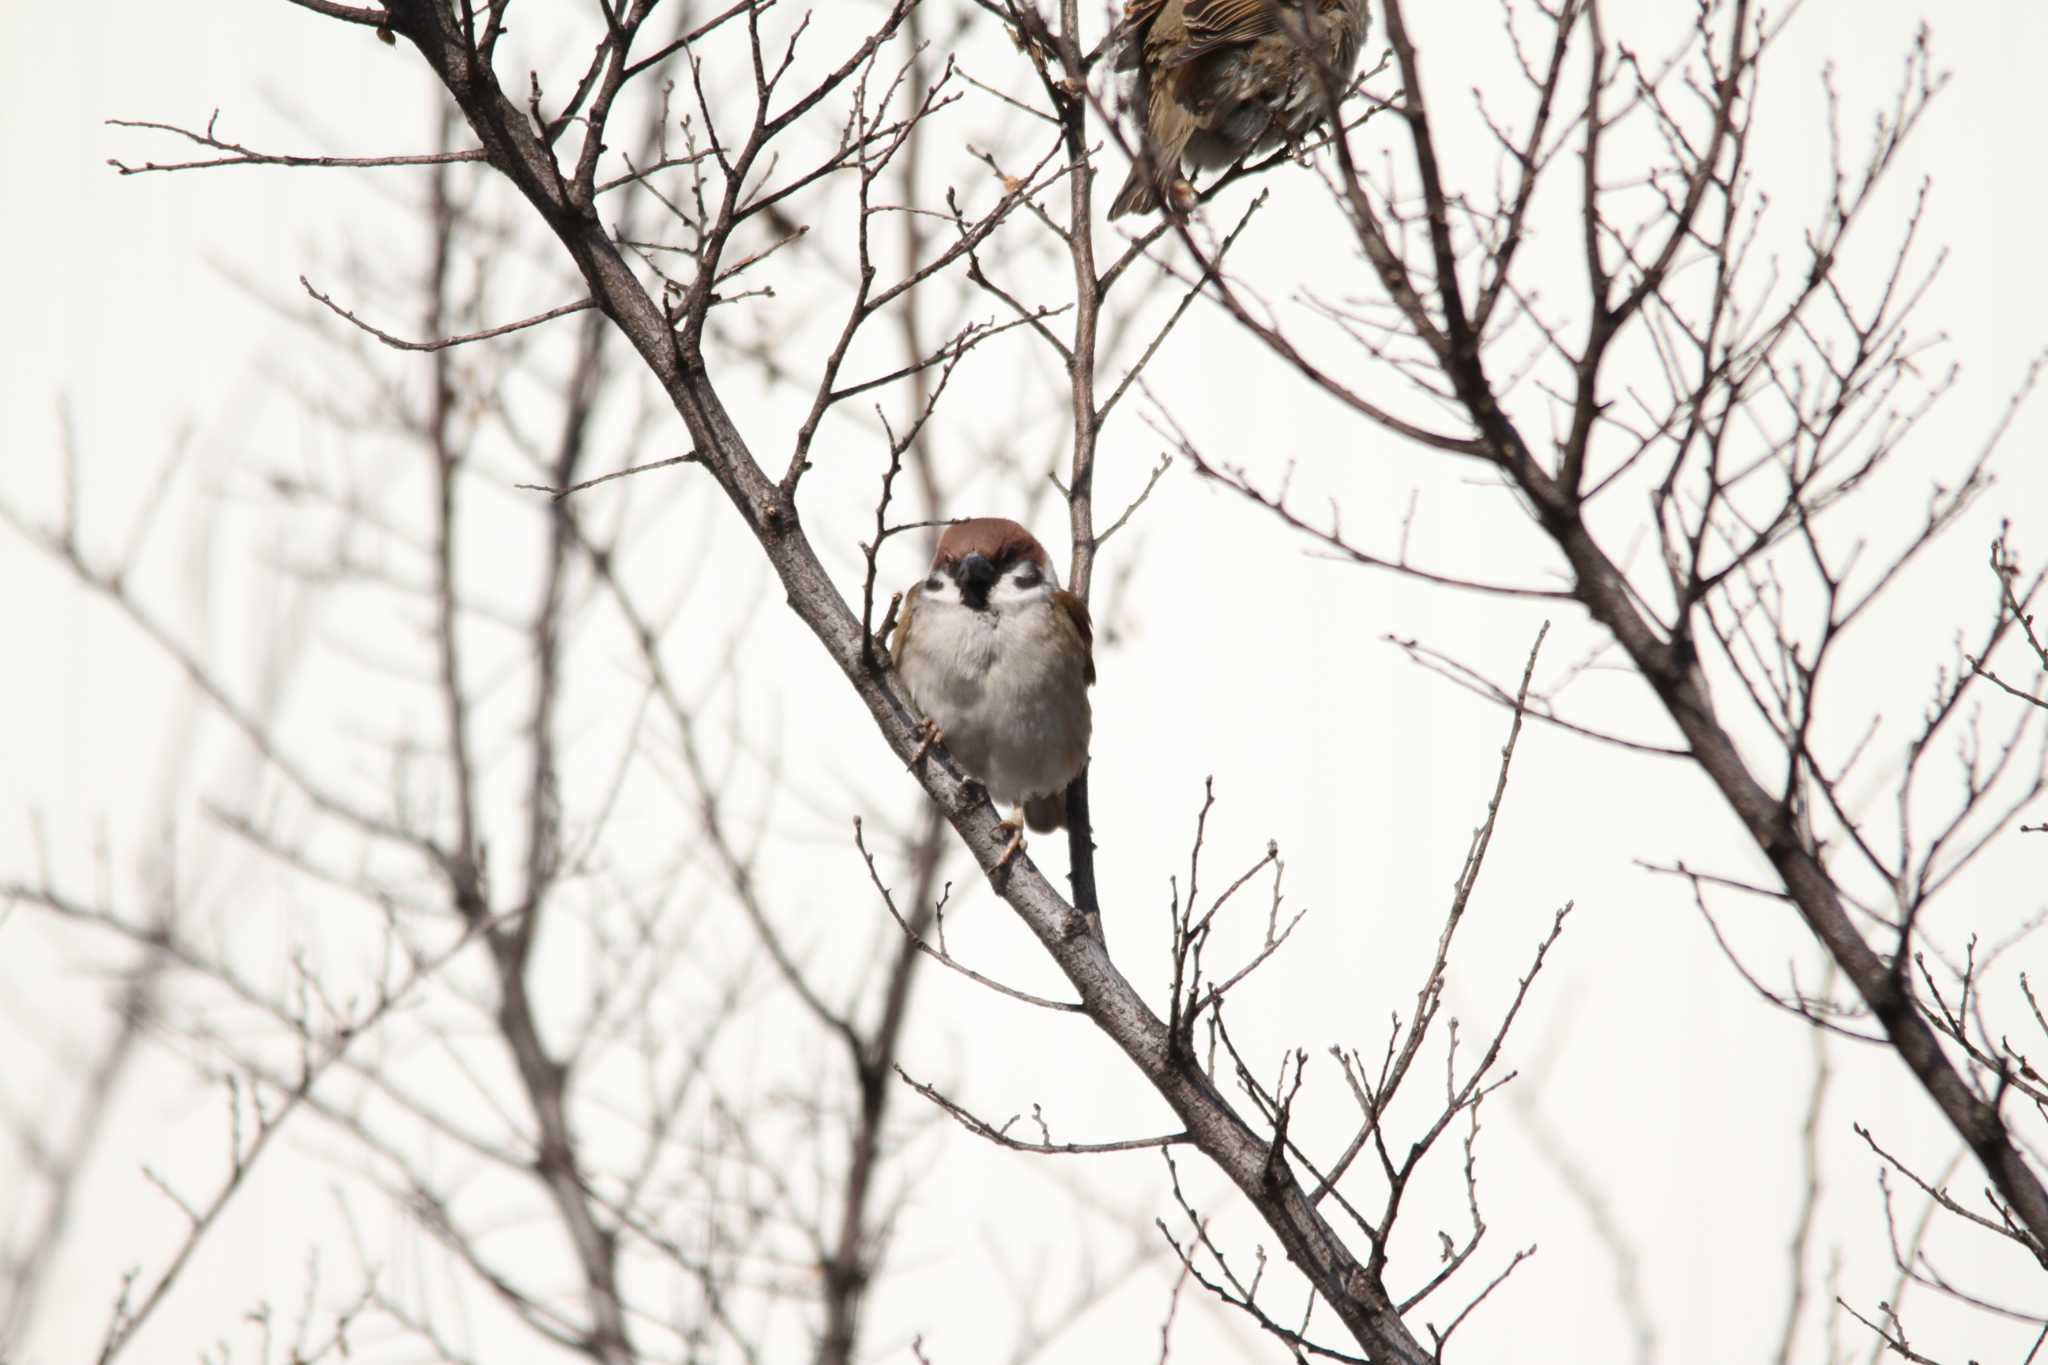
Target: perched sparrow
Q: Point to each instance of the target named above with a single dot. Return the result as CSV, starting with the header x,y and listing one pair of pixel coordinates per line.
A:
x,y
998,658
1221,79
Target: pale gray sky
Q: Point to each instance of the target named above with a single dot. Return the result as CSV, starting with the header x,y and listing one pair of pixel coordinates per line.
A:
x,y
1247,659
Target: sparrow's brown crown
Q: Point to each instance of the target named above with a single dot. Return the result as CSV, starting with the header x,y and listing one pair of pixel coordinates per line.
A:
x,y
997,539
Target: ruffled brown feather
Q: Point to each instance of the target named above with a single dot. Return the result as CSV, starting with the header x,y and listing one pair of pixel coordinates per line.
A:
x,y
1217,79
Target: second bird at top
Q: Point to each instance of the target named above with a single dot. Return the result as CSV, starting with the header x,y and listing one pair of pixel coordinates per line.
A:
x,y
1220,79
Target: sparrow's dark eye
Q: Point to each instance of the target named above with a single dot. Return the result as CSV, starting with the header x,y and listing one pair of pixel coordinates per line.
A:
x,y
1027,577
934,583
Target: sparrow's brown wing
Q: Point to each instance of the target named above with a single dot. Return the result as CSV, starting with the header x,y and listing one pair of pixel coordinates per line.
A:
x,y
1135,28
1075,612
910,600
1138,13
1214,24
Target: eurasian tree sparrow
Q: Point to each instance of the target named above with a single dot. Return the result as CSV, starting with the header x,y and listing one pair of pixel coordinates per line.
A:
x,y
998,659
1221,79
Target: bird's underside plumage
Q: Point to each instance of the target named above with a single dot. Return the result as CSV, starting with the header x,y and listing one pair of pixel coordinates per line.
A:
x,y
1217,80
1002,700
1006,684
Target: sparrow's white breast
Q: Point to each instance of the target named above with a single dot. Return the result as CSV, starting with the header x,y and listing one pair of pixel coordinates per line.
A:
x,y
1009,688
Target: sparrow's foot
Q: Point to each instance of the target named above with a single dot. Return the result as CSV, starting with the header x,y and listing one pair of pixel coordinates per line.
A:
x,y
1013,826
1181,197
932,735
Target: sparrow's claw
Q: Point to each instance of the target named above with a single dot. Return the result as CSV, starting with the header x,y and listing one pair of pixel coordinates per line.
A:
x,y
932,735
1014,827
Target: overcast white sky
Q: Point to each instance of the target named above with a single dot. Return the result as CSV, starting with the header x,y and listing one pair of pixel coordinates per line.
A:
x,y
1246,659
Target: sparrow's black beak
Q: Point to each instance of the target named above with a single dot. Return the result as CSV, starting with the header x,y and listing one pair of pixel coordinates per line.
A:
x,y
976,576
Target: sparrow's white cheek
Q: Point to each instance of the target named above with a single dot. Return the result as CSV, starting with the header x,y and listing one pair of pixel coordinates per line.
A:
x,y
1017,590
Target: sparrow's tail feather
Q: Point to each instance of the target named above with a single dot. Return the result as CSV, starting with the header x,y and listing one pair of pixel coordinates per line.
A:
x,y
1139,195
1046,813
